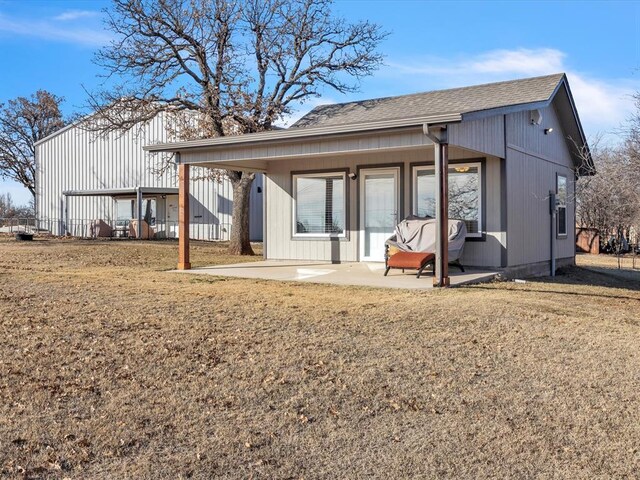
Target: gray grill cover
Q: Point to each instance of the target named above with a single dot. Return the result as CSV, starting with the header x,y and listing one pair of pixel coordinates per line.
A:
x,y
418,234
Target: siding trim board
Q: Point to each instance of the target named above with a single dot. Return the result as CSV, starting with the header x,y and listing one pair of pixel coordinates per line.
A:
x,y
538,156
504,214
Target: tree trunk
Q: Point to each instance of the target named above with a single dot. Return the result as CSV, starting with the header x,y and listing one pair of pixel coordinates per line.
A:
x,y
239,243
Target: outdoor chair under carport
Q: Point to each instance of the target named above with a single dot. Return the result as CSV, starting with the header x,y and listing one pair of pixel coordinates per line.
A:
x,y
413,245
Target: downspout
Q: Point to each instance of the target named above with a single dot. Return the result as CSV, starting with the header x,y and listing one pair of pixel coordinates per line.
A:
x,y
65,215
438,135
553,209
139,210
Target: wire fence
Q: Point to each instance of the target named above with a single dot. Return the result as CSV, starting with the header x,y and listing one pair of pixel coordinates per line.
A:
x,y
18,225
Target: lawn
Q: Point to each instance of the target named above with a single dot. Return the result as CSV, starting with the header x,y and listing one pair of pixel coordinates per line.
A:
x,y
112,367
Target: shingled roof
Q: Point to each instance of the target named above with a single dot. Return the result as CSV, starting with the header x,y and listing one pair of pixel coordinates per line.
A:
x,y
439,107
438,102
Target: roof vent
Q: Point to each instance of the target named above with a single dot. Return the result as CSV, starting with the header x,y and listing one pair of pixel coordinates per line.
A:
x,y
536,117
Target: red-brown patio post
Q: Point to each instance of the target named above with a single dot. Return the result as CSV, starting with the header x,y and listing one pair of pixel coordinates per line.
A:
x,y
183,217
438,135
442,204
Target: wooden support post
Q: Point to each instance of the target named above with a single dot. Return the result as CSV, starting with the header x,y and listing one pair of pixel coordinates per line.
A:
x,y
442,211
183,217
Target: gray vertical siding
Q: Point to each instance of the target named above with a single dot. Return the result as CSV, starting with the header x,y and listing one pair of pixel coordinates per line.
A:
x,y
485,135
76,159
520,168
533,160
281,245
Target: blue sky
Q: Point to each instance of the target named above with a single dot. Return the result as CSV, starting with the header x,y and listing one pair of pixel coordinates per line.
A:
x,y
50,44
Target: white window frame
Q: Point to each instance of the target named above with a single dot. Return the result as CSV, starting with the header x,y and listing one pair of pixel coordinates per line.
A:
x,y
432,168
566,201
294,195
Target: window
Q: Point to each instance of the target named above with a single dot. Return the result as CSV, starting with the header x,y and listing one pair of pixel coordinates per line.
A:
x,y
465,194
126,210
319,205
149,211
561,198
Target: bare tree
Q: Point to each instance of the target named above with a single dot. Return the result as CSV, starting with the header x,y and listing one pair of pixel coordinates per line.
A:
x,y
610,200
242,64
24,121
9,210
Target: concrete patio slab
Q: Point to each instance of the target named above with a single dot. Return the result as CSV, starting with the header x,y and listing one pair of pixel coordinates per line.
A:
x,y
354,274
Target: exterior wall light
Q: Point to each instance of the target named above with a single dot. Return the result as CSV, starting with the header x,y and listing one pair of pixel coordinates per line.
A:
x,y
547,131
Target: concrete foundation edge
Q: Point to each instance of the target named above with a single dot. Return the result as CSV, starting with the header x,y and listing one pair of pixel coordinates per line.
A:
x,y
539,269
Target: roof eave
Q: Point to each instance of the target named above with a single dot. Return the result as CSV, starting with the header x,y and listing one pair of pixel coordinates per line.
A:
x,y
583,137
490,112
113,192
303,133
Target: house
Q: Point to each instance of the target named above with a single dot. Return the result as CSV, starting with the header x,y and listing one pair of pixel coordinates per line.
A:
x,y
82,177
339,180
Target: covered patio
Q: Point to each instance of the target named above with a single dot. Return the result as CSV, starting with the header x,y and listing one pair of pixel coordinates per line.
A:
x,y
424,138
137,194
360,274
339,182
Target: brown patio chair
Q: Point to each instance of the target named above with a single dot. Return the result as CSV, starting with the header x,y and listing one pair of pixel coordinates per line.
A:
x,y
410,261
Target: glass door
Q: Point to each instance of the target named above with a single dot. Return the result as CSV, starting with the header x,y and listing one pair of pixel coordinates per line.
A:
x,y
379,210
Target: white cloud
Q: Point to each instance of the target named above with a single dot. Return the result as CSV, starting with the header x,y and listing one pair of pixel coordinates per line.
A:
x,y
526,62
603,104
523,61
46,30
75,15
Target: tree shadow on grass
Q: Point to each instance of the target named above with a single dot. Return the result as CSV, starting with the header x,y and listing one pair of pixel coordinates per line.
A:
x,y
603,277
598,276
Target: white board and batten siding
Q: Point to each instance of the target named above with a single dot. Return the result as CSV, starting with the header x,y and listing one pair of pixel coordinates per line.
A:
x,y
76,159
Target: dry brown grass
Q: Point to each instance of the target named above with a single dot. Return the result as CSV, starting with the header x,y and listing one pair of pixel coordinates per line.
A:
x,y
112,368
